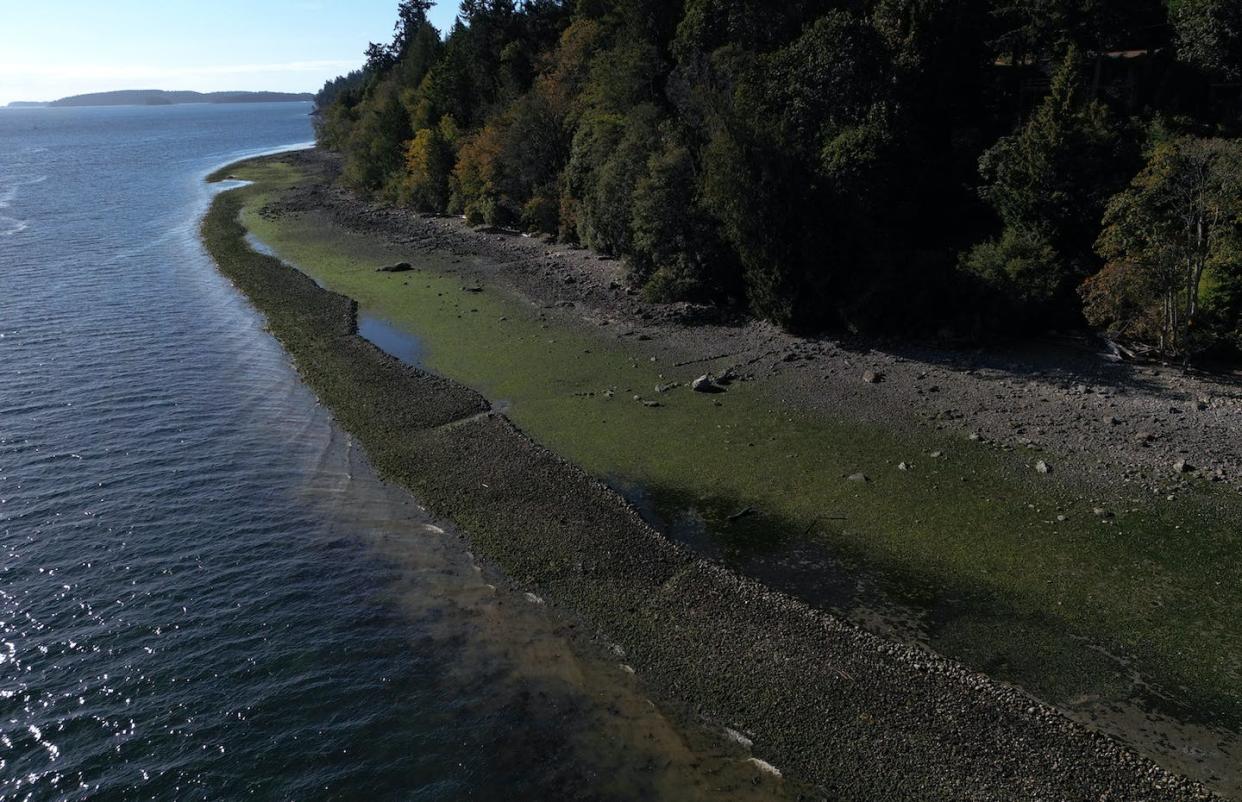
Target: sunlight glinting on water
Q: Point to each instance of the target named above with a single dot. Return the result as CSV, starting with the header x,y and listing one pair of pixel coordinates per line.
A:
x,y
205,592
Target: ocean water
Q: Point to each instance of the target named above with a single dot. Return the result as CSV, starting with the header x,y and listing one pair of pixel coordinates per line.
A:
x,y
205,593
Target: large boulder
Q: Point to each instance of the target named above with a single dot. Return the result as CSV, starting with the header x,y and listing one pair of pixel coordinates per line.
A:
x,y
706,384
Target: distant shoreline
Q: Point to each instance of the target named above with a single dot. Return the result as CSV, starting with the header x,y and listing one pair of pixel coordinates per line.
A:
x,y
160,97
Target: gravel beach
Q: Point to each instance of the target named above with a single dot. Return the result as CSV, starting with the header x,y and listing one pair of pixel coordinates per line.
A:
x,y
852,714
1107,419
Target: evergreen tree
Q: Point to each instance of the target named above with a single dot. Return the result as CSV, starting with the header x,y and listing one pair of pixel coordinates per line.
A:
x,y
1048,183
812,160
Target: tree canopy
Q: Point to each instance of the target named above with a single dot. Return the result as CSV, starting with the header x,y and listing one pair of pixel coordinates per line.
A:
x,y
885,165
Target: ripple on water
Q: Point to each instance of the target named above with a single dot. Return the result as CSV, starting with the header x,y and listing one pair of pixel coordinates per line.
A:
x,y
205,592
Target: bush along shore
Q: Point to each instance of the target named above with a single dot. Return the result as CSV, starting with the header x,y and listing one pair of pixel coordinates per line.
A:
x,y
856,716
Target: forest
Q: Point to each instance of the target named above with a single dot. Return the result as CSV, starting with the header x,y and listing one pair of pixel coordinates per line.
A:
x,y
967,169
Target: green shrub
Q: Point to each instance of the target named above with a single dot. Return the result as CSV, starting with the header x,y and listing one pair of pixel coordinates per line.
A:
x,y
541,215
1022,266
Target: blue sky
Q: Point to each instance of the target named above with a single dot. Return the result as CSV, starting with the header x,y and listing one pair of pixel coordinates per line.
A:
x,y
53,48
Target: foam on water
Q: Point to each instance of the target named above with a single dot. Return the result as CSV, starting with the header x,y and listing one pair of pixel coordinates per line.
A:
x,y
9,226
10,184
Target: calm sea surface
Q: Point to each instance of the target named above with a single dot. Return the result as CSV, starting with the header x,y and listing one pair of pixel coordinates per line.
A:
x,y
205,593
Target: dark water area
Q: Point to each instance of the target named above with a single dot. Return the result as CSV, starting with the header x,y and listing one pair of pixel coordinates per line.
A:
x,y
781,555
205,592
1104,692
391,340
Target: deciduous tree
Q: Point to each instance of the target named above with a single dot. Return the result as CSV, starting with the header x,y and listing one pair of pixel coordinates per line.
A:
x,y
1178,222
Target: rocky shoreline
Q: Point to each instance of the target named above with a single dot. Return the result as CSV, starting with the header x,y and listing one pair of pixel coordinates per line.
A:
x,y
1154,427
856,716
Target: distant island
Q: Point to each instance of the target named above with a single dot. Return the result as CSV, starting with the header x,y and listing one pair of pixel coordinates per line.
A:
x,y
160,97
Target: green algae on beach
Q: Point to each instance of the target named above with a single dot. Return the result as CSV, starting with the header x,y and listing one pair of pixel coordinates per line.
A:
x,y
1009,570
822,700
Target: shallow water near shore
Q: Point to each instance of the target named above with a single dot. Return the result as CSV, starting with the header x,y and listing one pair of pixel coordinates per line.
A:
x,y
390,339
206,592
